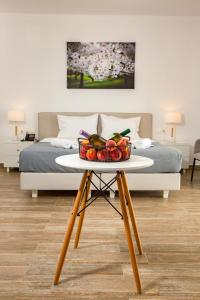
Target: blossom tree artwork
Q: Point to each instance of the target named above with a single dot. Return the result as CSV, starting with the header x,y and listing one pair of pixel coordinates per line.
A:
x,y
100,65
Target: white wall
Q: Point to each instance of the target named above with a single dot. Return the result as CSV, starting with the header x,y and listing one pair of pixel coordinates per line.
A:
x,y
33,67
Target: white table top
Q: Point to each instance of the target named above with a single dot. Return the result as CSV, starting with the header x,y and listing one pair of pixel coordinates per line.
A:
x,y
73,161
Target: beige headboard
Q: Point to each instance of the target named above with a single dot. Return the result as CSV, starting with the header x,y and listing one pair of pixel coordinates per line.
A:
x,y
48,124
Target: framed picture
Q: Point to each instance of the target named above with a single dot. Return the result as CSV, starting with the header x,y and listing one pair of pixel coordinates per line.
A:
x,y
100,65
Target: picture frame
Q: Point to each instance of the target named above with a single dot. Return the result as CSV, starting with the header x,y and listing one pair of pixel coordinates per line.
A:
x,y
101,65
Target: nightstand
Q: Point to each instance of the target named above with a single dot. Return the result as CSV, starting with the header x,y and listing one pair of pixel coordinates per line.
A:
x,y
185,150
11,151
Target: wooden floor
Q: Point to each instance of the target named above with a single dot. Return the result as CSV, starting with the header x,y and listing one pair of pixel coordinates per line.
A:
x,y
31,233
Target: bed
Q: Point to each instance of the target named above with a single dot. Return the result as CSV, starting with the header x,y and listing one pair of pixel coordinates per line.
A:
x,y
40,172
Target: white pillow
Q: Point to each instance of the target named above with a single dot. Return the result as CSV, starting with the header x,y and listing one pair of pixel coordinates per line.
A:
x,y
71,125
111,124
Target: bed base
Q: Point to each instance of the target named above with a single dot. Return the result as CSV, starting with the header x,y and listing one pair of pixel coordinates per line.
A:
x,y
35,182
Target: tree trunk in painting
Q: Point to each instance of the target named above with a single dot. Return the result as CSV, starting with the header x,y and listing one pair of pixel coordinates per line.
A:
x,y
81,80
91,78
129,81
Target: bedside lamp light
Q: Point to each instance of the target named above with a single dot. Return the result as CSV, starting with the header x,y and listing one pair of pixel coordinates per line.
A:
x,y
173,118
16,116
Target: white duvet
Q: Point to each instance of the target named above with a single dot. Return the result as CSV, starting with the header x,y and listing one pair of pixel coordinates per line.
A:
x,y
142,143
62,143
73,143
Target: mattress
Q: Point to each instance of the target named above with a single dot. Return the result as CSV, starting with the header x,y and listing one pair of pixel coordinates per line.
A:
x,y
40,158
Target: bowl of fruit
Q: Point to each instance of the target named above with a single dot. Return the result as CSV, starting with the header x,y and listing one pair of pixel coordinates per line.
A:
x,y
96,148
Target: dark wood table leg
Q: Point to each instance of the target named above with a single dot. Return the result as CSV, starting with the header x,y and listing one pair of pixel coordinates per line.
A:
x,y
128,232
131,212
82,214
70,227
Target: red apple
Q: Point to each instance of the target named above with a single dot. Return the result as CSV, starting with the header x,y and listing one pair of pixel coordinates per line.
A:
x,y
126,139
83,153
91,154
115,155
111,145
125,153
121,145
102,155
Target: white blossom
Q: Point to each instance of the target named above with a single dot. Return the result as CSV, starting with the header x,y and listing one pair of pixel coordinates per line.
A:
x,y
101,60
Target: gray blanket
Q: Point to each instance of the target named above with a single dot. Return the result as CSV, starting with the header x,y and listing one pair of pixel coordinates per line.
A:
x,y
40,158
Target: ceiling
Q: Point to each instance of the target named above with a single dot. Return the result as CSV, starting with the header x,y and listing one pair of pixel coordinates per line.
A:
x,y
105,7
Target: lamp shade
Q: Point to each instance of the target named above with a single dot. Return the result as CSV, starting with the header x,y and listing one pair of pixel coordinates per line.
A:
x,y
173,118
16,116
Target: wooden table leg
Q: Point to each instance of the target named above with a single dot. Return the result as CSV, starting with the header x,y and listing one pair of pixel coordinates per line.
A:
x,y
70,227
82,214
128,233
131,212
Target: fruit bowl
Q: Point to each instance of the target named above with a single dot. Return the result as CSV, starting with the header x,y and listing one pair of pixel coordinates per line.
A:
x,y
112,152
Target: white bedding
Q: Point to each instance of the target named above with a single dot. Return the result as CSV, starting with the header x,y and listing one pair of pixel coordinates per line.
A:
x,y
73,143
62,143
142,143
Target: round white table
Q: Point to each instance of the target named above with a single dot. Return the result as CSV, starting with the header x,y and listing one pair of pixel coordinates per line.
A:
x,y
74,161
82,201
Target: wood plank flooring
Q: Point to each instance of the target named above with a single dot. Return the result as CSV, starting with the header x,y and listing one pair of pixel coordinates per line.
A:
x,y
32,230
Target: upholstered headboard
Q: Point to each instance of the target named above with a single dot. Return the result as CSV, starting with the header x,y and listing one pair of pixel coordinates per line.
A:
x,y
48,124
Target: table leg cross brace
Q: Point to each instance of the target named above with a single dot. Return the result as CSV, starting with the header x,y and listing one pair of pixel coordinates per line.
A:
x,y
100,192
101,180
